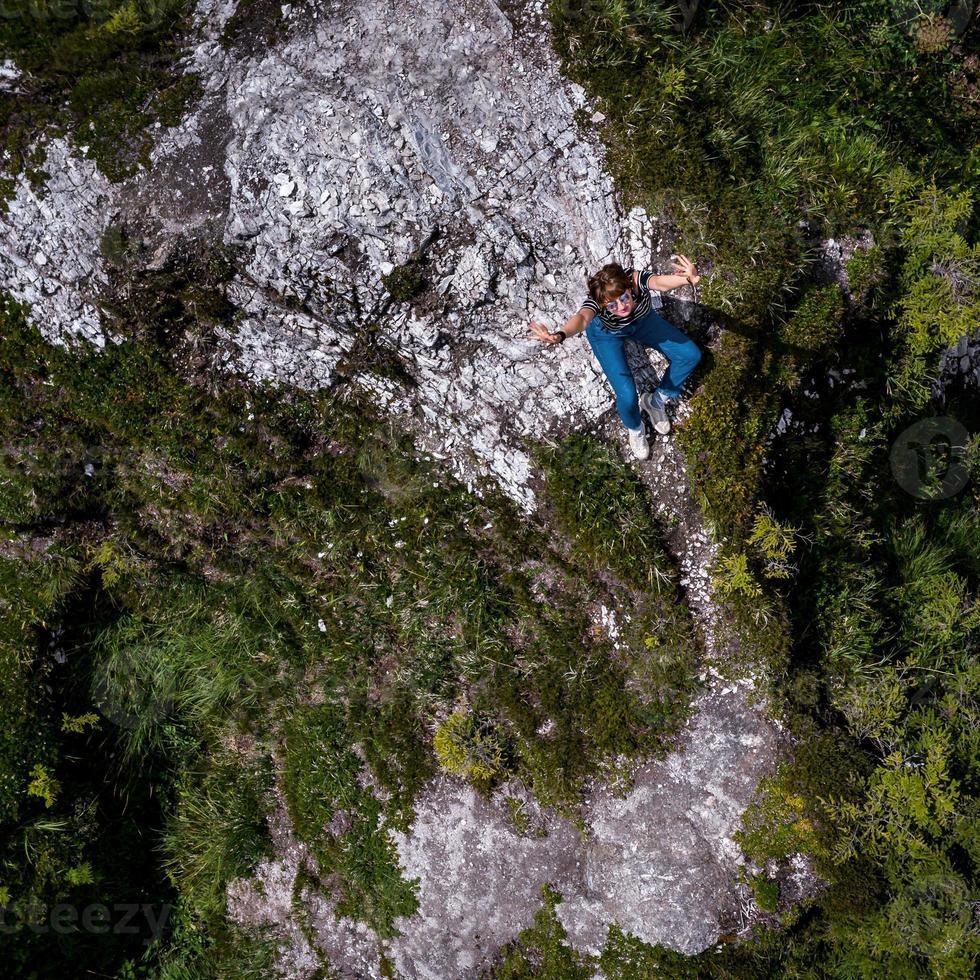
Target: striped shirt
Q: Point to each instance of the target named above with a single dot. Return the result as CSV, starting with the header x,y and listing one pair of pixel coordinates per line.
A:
x,y
641,306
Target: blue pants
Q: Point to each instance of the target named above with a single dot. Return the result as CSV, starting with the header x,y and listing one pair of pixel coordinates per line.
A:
x,y
650,331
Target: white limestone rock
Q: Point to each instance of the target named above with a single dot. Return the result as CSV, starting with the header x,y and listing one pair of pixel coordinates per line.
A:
x,y
50,246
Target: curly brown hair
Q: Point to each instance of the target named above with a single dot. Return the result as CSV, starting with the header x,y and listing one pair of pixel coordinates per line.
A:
x,y
609,282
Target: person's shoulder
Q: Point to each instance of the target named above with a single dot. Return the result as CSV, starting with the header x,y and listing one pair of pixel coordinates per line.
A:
x,y
656,296
590,304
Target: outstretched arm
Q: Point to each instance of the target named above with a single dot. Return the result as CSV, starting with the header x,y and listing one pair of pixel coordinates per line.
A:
x,y
685,272
576,323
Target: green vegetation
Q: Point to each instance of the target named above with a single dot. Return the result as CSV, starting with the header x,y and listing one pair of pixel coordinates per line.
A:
x,y
765,893
405,282
542,950
219,600
260,594
102,73
340,819
467,747
850,577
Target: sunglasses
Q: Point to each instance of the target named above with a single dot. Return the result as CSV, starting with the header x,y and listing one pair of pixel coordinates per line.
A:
x,y
620,301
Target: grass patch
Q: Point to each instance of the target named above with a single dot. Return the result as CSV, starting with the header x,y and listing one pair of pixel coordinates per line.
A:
x,y
103,74
288,575
341,821
604,507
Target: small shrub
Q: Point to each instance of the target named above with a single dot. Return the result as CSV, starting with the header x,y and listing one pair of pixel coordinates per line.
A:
x,y
776,826
733,576
80,723
80,875
933,34
467,747
775,544
405,282
43,785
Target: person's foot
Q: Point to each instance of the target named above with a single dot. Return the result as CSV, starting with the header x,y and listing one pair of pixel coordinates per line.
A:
x,y
638,443
657,413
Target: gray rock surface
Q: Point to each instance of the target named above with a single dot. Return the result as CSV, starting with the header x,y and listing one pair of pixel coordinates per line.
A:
x,y
10,76
960,365
49,246
658,861
367,135
343,159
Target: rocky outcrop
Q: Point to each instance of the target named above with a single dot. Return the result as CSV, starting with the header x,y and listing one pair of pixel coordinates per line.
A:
x,y
959,365
50,253
368,138
658,861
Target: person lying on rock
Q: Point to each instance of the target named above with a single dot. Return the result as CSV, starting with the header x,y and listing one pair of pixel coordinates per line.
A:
x,y
621,298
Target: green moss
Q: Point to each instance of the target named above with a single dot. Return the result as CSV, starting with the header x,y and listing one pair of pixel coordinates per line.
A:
x,y
171,104
624,957
542,951
302,883
405,282
19,124
766,893
466,748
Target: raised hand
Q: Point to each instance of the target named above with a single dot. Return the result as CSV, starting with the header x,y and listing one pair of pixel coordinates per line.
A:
x,y
540,332
683,266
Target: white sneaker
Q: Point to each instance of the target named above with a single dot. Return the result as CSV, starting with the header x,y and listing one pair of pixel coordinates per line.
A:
x,y
638,443
658,414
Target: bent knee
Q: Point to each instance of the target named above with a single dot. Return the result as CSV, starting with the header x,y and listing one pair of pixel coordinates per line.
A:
x,y
692,354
